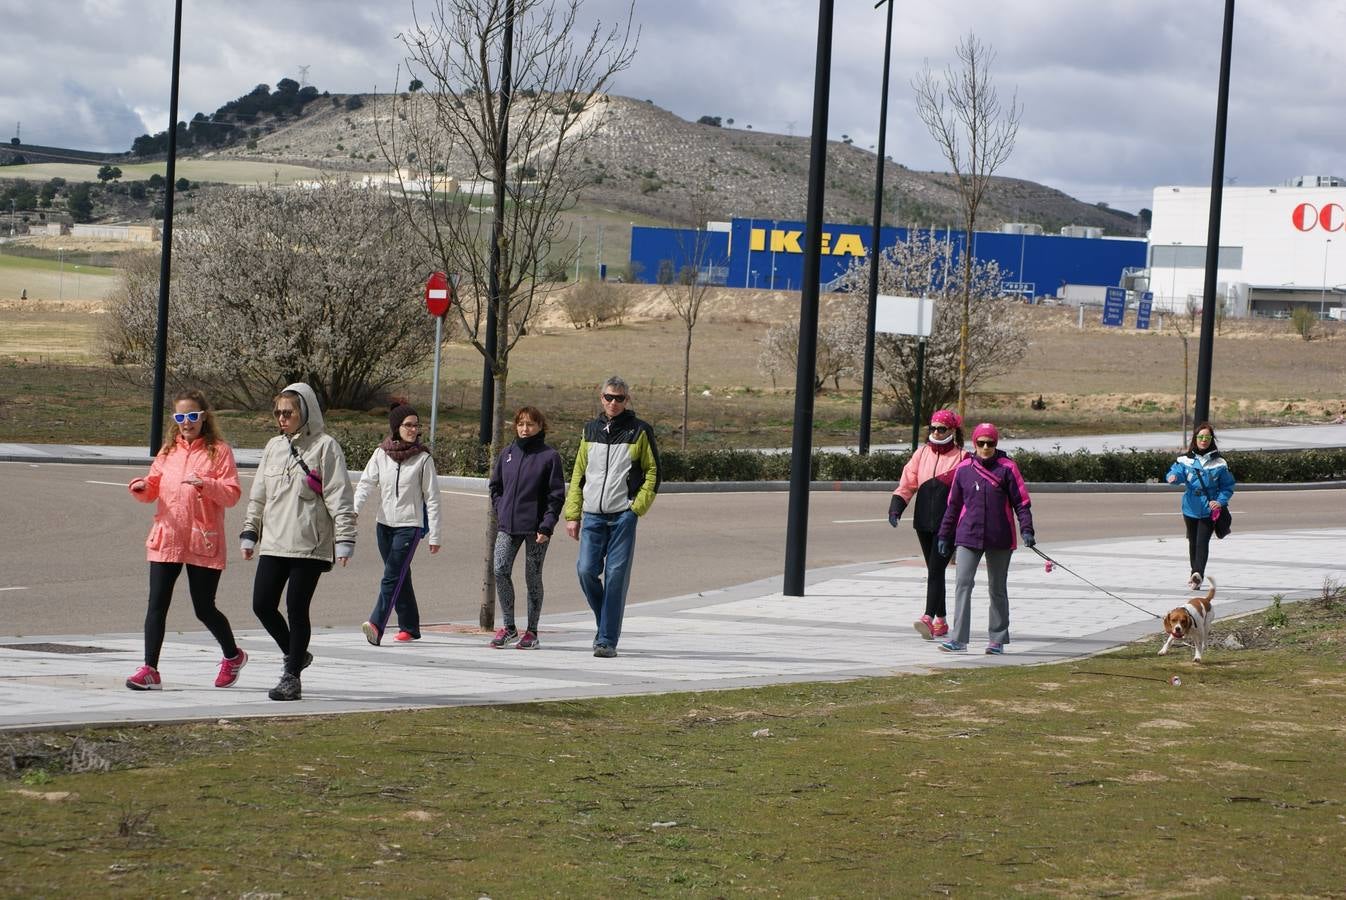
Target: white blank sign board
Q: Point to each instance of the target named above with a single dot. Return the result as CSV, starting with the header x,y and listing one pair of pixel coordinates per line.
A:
x,y
904,315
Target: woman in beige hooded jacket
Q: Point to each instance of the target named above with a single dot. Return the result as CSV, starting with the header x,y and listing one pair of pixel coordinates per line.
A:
x,y
301,516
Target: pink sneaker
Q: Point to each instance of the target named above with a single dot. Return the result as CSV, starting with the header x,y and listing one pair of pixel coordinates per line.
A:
x,y
146,678
229,669
403,637
925,628
939,627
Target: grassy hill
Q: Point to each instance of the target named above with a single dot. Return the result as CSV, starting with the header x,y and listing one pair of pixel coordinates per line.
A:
x,y
647,162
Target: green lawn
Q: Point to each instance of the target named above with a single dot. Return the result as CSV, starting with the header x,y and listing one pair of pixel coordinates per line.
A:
x,y
1091,778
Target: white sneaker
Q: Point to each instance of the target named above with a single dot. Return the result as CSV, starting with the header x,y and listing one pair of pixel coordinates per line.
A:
x,y
1194,583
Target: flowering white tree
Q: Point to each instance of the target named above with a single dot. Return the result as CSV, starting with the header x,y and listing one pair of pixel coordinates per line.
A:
x,y
279,284
923,266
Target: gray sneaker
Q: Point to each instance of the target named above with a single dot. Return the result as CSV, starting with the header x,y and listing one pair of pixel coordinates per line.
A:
x,y
603,651
288,689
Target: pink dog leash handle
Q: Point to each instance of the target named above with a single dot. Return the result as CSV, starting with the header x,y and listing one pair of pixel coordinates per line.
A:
x,y
1215,514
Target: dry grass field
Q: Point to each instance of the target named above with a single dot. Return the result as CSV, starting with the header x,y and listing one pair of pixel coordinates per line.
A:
x,y
1092,380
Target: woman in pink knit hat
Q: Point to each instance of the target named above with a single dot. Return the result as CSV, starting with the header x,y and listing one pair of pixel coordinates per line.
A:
x,y
927,476
987,494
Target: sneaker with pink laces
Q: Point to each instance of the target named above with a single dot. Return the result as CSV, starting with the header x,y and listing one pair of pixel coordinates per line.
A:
x,y
229,669
527,641
146,678
924,627
939,627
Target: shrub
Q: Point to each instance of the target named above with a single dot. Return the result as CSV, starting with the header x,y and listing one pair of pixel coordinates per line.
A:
x,y
1302,321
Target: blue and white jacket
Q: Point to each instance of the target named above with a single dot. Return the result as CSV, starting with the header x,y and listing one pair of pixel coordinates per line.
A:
x,y
1218,484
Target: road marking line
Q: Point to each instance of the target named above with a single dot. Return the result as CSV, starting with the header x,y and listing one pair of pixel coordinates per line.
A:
x,y
113,483
465,494
14,589
856,521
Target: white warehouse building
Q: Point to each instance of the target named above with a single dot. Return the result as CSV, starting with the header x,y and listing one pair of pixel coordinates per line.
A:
x,y
1280,247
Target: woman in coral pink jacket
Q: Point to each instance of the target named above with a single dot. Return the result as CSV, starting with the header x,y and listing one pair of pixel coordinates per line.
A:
x,y
927,476
194,480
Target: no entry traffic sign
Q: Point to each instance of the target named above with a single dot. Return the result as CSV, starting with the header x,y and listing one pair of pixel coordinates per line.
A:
x,y
438,293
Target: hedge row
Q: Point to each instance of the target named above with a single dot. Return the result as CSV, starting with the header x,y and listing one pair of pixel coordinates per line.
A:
x,y
465,456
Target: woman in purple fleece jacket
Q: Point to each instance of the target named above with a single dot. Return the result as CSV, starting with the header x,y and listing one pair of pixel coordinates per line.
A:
x,y
528,488
987,493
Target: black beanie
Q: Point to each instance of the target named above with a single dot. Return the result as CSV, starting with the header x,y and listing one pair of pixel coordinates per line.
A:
x,y
396,416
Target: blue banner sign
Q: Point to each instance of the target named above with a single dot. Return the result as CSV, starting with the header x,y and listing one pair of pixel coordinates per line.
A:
x,y
1143,310
1114,306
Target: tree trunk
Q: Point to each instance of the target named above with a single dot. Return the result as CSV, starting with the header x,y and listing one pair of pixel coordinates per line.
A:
x,y
967,314
686,382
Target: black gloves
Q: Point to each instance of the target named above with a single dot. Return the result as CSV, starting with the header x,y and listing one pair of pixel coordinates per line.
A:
x,y
1029,540
895,508
943,548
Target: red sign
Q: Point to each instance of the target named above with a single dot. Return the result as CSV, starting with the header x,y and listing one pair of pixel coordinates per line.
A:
x,y
1307,217
438,293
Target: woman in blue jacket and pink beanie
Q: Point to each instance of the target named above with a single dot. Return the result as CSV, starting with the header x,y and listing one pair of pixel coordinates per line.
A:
x,y
987,493
528,488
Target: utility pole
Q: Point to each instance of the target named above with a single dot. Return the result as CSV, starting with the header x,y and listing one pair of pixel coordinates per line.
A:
x,y
867,391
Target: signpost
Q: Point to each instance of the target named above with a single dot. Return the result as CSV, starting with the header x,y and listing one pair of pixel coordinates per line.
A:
x,y
908,315
1114,306
438,299
1143,310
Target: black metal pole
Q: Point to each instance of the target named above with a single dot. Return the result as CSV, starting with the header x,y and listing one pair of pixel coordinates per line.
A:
x,y
497,231
867,391
797,523
166,247
1205,352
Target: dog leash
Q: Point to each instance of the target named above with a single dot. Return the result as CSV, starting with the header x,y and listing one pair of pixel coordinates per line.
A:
x,y
1053,563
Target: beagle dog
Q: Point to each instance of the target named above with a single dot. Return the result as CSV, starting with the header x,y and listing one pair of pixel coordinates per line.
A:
x,y
1191,622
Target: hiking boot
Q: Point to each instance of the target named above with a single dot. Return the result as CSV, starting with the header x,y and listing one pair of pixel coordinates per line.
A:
x,y
953,647
925,628
527,641
308,661
605,651
994,649
505,637
405,637
146,678
288,688
939,627
371,633
229,669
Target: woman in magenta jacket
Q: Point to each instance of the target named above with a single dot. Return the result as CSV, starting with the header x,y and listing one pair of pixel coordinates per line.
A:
x,y
987,494
927,476
194,480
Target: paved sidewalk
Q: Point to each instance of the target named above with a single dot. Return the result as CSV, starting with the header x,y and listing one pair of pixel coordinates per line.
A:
x,y
855,621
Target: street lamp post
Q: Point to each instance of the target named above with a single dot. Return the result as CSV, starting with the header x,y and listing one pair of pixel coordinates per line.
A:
x,y
1322,298
867,389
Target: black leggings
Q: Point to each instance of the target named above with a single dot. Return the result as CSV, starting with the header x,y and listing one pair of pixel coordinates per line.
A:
x,y
1198,542
202,583
272,574
935,567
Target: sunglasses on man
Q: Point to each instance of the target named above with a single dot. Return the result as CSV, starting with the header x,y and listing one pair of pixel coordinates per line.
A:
x,y
192,416
615,398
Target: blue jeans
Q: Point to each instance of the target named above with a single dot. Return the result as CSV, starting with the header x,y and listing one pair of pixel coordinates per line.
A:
x,y
607,549
397,546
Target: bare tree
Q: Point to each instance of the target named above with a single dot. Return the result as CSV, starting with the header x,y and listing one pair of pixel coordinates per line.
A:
x,y
922,266
834,360
521,135
279,284
687,291
976,134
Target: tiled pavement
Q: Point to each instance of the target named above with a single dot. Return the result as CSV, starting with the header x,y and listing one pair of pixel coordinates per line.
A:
x,y
854,621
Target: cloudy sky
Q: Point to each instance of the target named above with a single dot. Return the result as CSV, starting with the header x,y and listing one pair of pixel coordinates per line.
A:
x,y
1118,96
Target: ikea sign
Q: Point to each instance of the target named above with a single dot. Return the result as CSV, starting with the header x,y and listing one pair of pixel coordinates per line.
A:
x,y
787,240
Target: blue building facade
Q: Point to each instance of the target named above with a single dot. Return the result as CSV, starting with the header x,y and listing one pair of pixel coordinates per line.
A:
x,y
769,253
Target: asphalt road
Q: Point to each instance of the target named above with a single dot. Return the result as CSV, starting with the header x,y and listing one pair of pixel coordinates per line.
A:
x,y
72,558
